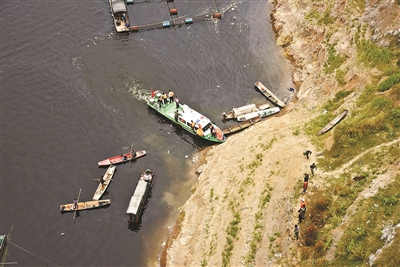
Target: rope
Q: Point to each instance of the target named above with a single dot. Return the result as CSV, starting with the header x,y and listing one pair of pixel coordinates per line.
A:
x,y
32,254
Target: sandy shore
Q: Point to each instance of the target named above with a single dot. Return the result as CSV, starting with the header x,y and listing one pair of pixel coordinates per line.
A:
x,y
266,159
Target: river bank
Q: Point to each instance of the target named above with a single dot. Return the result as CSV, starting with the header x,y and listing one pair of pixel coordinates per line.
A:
x,y
244,206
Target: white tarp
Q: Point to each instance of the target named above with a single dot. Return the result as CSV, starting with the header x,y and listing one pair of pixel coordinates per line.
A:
x,y
137,198
118,6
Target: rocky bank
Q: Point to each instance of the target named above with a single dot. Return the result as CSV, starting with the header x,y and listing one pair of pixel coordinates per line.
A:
x,y
244,205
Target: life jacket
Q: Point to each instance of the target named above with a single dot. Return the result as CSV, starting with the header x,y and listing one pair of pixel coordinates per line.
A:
x,y
171,94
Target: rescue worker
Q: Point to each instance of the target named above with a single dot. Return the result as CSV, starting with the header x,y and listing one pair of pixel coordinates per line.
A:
x,y
192,125
171,96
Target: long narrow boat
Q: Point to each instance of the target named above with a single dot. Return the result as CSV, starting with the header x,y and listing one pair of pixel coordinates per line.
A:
x,y
183,115
104,182
138,200
3,244
122,158
241,125
119,12
333,122
268,94
243,110
261,113
85,205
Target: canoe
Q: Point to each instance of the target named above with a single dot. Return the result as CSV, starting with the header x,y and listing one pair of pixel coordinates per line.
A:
x,y
138,200
261,113
241,125
243,110
333,122
85,205
106,181
269,95
3,244
183,116
122,158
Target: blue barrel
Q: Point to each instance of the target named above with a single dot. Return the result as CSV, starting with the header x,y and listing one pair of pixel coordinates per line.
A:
x,y
188,21
166,24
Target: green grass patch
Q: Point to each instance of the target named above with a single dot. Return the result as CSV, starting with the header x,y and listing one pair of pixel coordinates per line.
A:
x,y
334,60
372,55
389,82
363,236
340,76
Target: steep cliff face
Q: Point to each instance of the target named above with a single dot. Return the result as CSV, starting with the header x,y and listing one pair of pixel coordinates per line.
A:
x,y
311,31
244,205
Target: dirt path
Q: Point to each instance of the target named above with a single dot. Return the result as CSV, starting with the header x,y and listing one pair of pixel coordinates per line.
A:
x,y
381,181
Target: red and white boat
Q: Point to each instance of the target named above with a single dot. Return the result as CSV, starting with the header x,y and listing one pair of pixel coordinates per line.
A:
x,y
122,158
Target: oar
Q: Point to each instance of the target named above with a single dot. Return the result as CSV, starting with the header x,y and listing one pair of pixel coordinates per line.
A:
x,y
96,179
80,190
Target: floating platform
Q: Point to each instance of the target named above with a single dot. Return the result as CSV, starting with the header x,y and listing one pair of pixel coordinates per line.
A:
x,y
174,22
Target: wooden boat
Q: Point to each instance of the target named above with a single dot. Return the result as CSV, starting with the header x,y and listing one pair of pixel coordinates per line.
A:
x,y
184,116
241,125
119,12
261,113
85,205
243,110
106,180
3,244
268,94
122,158
333,122
138,200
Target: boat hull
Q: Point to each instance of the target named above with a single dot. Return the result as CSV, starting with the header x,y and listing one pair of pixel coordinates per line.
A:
x,y
120,158
183,115
139,198
261,113
269,95
332,123
241,125
236,112
85,205
120,15
107,180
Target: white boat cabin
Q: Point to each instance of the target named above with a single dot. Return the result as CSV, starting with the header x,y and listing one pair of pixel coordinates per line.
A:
x,y
189,115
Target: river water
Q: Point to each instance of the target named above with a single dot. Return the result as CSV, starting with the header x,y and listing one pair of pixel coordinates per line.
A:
x,y
72,94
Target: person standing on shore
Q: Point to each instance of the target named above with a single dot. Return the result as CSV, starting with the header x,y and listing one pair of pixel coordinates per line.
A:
x,y
307,153
296,231
312,167
306,176
305,185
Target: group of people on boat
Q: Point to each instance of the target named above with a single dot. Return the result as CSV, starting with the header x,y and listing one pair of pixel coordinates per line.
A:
x,y
123,20
164,98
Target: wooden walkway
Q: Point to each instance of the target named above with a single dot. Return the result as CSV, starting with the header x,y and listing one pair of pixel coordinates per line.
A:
x,y
174,22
